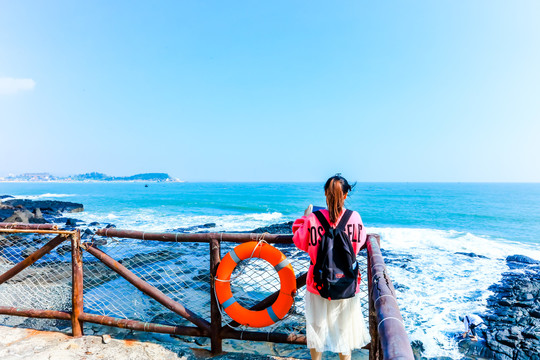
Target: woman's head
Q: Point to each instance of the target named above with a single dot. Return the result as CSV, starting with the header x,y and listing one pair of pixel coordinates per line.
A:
x,y
336,189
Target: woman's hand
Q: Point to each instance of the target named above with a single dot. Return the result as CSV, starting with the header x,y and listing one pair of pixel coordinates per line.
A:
x,y
308,210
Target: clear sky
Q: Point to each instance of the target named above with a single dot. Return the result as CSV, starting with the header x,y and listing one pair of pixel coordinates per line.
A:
x,y
272,90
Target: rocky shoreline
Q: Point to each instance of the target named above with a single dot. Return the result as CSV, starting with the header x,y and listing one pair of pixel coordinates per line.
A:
x,y
512,319
35,211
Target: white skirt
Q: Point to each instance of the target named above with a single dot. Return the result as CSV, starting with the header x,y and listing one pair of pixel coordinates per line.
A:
x,y
337,325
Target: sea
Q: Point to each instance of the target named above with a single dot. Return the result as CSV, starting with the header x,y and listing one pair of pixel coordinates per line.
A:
x,y
445,243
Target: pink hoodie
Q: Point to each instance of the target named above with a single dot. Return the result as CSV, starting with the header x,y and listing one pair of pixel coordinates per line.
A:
x,y
304,227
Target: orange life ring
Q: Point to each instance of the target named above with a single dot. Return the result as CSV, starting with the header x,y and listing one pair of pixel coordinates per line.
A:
x,y
285,299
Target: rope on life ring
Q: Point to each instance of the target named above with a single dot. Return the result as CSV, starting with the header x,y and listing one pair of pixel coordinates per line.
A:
x,y
281,264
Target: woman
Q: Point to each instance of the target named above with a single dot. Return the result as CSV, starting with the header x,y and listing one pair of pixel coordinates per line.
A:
x,y
331,325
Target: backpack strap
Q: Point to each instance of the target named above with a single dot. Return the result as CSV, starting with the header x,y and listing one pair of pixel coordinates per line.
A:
x,y
344,220
322,220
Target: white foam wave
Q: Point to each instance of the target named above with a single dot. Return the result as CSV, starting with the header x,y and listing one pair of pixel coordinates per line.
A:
x,y
153,220
435,284
44,196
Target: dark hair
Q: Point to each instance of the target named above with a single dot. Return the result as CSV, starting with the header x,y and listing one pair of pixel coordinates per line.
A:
x,y
335,189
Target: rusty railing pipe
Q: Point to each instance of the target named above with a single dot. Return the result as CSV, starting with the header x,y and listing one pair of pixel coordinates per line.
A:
x,y
394,341
141,326
22,226
264,336
34,313
197,237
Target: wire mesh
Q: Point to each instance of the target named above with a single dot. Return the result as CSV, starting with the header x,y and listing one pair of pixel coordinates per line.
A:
x,y
44,285
254,279
181,271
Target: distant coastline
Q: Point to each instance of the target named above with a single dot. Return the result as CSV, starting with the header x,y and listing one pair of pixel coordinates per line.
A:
x,y
92,177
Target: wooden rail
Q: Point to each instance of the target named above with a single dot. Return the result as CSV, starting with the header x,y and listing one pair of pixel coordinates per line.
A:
x,y
389,340
386,322
28,226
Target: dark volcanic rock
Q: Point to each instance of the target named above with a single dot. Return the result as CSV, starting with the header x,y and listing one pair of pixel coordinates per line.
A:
x,y
5,213
475,349
6,197
196,228
20,216
513,324
283,228
521,259
471,255
71,222
52,207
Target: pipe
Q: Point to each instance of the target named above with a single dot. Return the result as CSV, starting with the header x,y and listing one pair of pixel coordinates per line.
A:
x,y
23,231
200,237
28,226
394,341
264,336
141,326
34,313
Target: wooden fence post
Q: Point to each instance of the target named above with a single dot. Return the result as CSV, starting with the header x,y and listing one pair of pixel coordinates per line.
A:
x,y
77,284
215,314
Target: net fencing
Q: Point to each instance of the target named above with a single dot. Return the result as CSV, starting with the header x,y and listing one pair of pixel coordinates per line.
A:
x,y
44,285
181,271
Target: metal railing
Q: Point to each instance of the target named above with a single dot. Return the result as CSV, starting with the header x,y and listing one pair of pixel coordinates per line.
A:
x,y
178,282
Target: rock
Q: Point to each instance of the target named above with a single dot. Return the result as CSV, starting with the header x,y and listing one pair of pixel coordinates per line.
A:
x,y
37,213
196,228
202,341
94,223
53,207
87,233
71,222
418,349
472,255
521,259
513,319
106,338
283,228
21,216
5,213
99,242
475,349
6,197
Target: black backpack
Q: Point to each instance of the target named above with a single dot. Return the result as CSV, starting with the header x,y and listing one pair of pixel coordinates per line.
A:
x,y
335,272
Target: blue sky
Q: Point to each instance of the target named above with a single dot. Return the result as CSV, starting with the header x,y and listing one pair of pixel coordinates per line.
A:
x,y
272,91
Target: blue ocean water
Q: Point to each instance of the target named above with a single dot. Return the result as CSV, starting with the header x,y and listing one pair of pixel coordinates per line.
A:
x,y
426,229
508,211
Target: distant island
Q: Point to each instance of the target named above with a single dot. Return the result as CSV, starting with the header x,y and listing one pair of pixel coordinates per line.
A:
x,y
89,177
